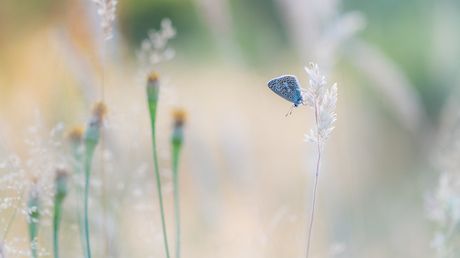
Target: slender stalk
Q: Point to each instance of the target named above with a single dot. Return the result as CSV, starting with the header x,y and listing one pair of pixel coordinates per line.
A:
x,y
176,206
91,139
33,212
61,191
176,140
104,198
103,186
80,209
314,200
176,150
316,176
89,151
57,218
153,90
152,108
12,217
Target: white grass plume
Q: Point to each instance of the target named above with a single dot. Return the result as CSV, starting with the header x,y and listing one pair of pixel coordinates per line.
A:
x,y
323,101
106,9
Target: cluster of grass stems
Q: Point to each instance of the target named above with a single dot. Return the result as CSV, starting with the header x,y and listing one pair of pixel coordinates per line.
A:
x,y
83,148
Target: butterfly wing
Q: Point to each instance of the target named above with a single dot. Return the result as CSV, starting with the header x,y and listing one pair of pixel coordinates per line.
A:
x,y
287,87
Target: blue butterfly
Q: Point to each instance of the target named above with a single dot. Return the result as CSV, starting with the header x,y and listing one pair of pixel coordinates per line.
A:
x,y
289,89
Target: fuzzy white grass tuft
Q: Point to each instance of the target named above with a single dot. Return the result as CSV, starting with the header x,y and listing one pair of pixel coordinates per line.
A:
x,y
323,101
106,9
154,48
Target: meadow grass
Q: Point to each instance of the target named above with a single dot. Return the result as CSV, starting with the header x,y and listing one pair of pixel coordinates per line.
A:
x,y
61,192
323,103
153,90
177,139
91,139
33,212
76,139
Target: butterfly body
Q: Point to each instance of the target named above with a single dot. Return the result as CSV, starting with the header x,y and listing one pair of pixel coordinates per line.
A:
x,y
288,88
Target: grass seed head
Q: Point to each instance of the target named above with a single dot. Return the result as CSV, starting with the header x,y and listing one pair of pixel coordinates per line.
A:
x,y
180,116
153,86
76,134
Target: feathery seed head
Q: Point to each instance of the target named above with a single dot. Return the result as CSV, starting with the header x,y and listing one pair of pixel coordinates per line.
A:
x,y
106,9
323,101
154,48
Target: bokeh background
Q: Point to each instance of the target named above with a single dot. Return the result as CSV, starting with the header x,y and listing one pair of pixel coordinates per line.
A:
x,y
246,175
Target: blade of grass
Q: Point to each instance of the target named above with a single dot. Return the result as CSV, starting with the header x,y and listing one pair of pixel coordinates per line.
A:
x,y
33,213
152,97
176,141
61,191
89,151
91,139
76,138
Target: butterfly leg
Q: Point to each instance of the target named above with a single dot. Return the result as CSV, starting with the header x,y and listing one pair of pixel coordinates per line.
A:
x,y
290,110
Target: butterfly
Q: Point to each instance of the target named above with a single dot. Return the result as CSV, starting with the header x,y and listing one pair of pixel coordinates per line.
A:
x,y
288,88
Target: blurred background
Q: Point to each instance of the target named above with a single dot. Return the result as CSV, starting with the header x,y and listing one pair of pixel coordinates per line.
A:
x,y
246,175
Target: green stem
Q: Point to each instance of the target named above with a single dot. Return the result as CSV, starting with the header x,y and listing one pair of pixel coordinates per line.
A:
x,y
176,150
80,210
89,151
33,229
33,208
152,108
104,190
57,218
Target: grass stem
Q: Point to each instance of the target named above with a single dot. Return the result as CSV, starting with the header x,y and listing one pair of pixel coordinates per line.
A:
x,y
176,140
57,217
314,199
152,97
77,168
61,192
316,176
176,150
89,151
152,107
